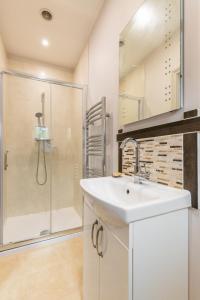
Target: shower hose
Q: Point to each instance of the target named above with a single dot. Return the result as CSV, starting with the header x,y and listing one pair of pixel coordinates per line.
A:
x,y
44,181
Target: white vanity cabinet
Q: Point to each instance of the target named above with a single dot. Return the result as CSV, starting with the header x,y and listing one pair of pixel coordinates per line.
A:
x,y
143,260
106,265
91,259
113,267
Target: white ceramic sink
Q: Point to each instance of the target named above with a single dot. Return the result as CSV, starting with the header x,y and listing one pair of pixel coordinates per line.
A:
x,y
132,201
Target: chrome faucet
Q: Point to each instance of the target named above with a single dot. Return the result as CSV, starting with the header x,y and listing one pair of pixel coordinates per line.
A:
x,y
140,175
136,145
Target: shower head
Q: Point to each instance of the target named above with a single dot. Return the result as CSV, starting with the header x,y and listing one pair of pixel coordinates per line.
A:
x,y
38,115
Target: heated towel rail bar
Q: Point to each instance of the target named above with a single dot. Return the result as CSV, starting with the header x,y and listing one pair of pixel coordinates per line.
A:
x,y
96,139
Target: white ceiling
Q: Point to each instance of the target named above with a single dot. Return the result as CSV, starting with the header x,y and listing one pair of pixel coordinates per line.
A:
x,y
22,28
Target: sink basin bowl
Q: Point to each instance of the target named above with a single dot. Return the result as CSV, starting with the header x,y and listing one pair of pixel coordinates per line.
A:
x,y
133,201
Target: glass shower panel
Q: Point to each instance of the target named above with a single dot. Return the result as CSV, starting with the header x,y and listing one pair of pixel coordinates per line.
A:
x,y
26,203
66,158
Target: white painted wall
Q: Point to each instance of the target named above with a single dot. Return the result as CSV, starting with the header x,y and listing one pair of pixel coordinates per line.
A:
x,y
80,74
38,68
104,64
3,56
103,81
192,100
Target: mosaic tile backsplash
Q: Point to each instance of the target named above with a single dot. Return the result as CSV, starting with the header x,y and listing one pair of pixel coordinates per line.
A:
x,y
161,156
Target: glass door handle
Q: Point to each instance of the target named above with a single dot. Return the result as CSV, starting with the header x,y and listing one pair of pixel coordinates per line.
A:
x,y
92,233
6,160
97,241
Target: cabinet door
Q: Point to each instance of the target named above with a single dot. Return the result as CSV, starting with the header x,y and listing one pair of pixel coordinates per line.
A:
x,y
113,267
91,259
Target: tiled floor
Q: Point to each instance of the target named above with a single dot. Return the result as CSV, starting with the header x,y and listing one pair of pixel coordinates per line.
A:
x,y
50,272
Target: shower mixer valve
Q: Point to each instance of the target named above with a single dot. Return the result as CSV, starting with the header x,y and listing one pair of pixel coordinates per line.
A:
x,y
41,133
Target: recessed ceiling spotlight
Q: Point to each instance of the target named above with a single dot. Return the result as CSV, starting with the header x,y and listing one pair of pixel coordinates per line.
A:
x,y
45,42
46,14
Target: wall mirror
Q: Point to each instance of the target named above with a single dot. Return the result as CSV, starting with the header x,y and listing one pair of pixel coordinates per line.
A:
x,y
151,61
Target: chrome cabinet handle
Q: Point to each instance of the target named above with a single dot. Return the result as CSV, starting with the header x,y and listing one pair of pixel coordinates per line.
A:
x,y
92,233
97,241
6,160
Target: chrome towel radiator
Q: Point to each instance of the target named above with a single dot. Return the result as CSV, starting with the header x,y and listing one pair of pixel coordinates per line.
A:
x,y
96,140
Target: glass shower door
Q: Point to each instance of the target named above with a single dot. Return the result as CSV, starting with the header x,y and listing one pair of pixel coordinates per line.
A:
x,y
42,146
67,138
26,203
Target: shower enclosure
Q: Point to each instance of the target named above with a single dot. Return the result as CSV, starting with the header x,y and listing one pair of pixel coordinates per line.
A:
x,y
42,156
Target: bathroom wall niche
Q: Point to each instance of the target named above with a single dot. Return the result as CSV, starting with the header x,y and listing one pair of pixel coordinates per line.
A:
x,y
151,61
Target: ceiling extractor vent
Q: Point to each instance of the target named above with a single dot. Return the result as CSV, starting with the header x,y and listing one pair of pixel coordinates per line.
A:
x,y
46,14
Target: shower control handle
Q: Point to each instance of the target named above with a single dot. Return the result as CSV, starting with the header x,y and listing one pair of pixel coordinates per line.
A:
x,y
6,160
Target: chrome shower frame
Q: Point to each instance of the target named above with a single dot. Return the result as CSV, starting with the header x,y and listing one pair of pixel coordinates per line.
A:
x,y
84,90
